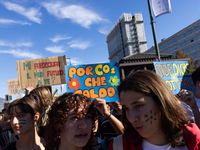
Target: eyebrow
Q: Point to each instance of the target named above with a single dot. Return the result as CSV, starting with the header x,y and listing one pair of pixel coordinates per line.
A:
x,y
134,103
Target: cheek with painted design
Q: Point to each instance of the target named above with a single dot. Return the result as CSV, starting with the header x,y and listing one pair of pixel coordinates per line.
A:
x,y
151,117
22,121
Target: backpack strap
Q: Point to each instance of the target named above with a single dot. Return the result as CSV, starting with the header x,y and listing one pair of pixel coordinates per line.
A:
x,y
118,143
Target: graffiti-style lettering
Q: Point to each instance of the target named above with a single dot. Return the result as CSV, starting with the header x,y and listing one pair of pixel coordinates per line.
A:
x,y
72,71
92,82
110,91
88,71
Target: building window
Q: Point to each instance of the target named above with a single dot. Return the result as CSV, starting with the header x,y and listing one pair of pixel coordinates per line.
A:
x,y
184,34
190,31
196,28
185,43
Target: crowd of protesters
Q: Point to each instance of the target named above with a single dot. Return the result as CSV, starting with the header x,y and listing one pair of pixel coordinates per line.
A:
x,y
147,117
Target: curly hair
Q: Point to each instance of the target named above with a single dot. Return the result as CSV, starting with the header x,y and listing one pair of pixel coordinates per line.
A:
x,y
172,113
58,113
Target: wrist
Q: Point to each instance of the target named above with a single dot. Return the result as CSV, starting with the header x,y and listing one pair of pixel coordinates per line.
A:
x,y
108,116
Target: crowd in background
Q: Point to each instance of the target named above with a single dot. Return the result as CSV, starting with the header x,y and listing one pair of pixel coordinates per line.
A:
x,y
148,116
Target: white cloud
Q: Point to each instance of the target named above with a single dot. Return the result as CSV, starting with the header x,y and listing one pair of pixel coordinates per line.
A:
x,y
8,21
55,49
57,38
103,31
76,13
21,53
79,44
74,61
32,14
20,44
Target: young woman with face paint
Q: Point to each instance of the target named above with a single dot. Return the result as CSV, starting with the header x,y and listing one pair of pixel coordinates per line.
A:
x,y
152,116
70,123
24,115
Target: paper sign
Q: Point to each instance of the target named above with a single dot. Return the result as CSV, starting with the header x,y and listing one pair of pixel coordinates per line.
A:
x,y
94,80
13,87
176,74
161,7
45,71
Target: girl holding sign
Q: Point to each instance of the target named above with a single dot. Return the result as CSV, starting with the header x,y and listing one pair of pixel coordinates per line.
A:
x,y
24,115
152,116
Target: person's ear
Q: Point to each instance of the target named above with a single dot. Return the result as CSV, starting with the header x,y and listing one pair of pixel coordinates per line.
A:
x,y
36,117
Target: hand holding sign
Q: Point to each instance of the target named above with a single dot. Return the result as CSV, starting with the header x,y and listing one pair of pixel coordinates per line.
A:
x,y
102,107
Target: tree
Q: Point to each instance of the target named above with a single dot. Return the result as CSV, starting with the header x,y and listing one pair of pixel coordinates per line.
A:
x,y
192,63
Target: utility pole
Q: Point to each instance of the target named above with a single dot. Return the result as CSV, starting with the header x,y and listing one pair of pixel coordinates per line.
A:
x,y
153,30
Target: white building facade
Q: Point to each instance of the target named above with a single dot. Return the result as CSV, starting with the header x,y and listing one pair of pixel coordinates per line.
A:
x,y
187,40
126,37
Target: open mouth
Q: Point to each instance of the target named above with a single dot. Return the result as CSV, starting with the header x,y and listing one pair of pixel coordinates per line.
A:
x,y
81,136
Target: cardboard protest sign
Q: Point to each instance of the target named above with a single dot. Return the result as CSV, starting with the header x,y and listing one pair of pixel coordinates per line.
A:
x,y
46,71
13,87
176,74
94,80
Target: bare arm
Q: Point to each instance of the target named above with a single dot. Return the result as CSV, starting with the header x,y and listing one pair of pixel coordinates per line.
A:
x,y
188,98
116,124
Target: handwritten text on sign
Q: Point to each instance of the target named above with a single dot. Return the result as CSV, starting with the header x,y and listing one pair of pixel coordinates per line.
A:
x,y
94,80
176,74
45,71
13,87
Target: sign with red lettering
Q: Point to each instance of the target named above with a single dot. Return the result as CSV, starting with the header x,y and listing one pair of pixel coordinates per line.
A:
x,y
94,80
45,71
13,87
176,74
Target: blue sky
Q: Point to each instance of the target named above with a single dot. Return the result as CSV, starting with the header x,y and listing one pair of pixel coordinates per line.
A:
x,y
32,29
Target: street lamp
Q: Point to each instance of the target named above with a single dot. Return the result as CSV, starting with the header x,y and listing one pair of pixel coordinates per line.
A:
x,y
69,60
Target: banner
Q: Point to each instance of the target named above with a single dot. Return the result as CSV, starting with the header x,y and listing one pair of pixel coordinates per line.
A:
x,y
176,74
45,71
13,87
161,7
94,80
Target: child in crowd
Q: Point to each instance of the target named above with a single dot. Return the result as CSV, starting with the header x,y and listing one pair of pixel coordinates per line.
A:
x,y
24,115
152,116
70,123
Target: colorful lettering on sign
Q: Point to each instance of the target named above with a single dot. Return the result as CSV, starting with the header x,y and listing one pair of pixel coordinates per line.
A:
x,y
176,74
46,65
27,65
94,80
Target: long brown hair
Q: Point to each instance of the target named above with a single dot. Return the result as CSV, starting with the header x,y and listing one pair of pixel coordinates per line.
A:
x,y
57,116
172,113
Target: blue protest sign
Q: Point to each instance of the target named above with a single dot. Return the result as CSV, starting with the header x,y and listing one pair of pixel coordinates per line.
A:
x,y
176,74
94,80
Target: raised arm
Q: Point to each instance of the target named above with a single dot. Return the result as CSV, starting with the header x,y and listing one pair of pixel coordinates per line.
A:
x,y
116,124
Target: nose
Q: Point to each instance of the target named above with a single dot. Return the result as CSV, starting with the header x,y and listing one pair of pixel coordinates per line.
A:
x,y
132,116
14,121
82,124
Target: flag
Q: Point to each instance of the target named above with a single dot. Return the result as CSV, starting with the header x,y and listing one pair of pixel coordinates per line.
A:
x,y
161,7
